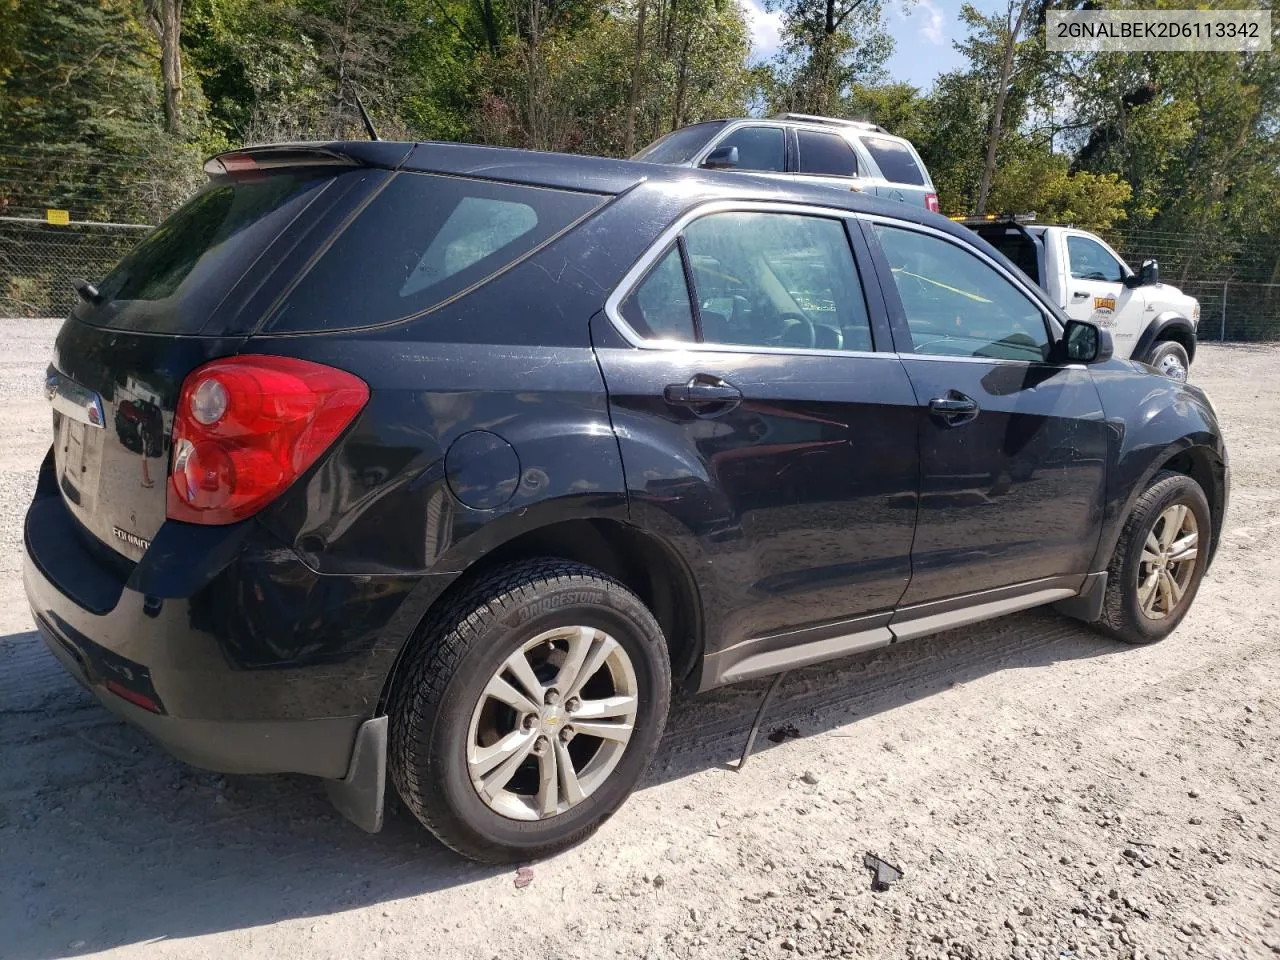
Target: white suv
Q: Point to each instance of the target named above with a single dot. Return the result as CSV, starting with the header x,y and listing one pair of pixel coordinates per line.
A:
x,y
846,154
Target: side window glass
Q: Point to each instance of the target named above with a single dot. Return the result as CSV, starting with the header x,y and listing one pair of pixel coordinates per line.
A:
x,y
896,162
659,308
957,305
759,148
777,280
1091,261
826,154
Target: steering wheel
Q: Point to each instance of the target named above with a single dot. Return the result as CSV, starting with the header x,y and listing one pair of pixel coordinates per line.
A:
x,y
808,333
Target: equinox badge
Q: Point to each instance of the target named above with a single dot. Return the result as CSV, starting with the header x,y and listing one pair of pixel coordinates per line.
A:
x,y
131,538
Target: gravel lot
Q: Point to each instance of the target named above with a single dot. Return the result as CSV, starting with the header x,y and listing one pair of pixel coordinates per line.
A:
x,y
1046,792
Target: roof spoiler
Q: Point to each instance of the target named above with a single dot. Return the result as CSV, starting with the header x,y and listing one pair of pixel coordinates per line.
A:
x,y
346,153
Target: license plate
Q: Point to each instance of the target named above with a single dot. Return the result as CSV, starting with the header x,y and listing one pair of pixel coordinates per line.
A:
x,y
75,462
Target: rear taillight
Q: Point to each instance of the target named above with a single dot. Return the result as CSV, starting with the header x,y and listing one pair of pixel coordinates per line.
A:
x,y
247,427
931,203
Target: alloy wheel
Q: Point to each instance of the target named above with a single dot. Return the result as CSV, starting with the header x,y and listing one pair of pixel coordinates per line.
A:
x,y
552,723
1168,561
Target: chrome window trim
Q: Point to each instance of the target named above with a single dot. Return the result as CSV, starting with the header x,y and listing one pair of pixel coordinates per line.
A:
x,y
736,125
632,278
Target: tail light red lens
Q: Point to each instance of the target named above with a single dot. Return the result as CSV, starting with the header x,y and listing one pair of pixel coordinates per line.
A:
x,y
931,202
247,427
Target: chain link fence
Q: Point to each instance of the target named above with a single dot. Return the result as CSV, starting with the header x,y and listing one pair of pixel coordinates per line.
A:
x,y
40,261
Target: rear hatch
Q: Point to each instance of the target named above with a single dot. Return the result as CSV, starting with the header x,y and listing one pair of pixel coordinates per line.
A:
x,y
190,292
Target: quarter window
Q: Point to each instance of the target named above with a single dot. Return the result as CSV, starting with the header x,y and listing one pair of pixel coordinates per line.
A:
x,y
777,280
826,154
759,148
421,241
659,308
895,160
1091,261
957,305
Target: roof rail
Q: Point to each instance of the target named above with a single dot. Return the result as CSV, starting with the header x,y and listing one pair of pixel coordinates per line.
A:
x,y
831,121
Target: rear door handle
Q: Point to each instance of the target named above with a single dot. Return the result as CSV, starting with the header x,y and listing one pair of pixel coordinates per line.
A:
x,y
1080,295
702,390
955,408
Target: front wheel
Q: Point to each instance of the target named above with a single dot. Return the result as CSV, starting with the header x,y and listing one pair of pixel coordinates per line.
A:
x,y
1158,562
529,711
1170,358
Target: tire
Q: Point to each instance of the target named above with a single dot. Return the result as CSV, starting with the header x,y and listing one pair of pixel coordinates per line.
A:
x,y
441,709
1122,609
1171,360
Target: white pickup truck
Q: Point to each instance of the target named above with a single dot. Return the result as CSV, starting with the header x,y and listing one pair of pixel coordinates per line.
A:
x,y
1149,321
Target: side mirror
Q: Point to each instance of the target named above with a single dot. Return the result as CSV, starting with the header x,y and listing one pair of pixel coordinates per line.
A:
x,y
721,158
1085,343
1148,275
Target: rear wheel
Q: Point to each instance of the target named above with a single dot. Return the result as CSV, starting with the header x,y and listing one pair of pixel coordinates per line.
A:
x,y
1158,562
529,711
1170,358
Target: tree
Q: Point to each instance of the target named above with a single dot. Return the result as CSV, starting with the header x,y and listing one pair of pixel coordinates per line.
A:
x,y
828,46
164,17
629,141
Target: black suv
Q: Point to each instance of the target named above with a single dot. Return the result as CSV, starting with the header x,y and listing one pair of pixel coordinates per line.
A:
x,y
449,462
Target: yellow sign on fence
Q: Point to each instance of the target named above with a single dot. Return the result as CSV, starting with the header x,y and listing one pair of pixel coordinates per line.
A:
x,y
59,217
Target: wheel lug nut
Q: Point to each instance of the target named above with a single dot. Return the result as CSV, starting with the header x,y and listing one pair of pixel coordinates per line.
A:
x,y
529,721
540,746
566,734
573,705
552,697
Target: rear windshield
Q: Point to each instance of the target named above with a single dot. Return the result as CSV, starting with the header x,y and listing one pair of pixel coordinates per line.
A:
x,y
424,240
173,279
895,161
680,146
1016,245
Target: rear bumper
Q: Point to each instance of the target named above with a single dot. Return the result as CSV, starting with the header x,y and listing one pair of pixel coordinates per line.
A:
x,y
235,657
321,747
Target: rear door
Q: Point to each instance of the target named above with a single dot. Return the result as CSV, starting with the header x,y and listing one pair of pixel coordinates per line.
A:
x,y
759,427
172,304
1012,443
828,159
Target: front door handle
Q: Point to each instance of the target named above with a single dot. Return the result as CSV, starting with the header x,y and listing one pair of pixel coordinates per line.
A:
x,y
1080,295
702,391
955,408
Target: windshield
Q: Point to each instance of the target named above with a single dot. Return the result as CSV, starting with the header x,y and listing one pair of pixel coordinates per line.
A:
x,y
680,146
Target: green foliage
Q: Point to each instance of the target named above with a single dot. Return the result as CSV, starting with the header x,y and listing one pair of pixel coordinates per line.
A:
x,y
81,124
829,47
1184,143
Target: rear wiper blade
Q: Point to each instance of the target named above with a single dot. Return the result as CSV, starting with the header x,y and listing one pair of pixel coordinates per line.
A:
x,y
87,291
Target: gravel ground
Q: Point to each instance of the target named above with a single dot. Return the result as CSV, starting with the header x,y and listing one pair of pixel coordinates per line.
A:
x,y
1047,793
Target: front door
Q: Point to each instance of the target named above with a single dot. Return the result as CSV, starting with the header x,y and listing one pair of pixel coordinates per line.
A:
x,y
759,429
1012,445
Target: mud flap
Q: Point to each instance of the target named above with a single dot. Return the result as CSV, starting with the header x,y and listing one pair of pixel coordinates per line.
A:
x,y
359,795
1087,605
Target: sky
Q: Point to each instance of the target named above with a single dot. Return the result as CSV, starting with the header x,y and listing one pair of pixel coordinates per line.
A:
x,y
923,36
